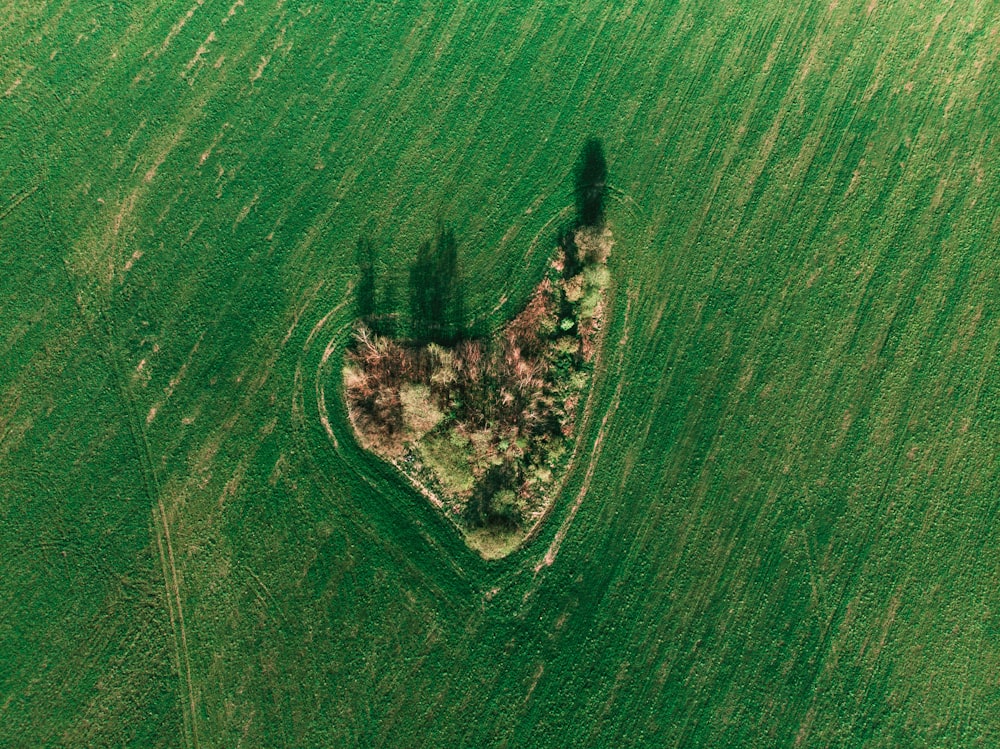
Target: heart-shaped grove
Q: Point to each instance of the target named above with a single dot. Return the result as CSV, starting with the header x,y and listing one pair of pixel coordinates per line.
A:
x,y
484,427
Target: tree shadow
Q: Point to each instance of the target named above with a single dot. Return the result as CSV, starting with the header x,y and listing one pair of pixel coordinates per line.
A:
x,y
591,184
376,310
364,256
437,294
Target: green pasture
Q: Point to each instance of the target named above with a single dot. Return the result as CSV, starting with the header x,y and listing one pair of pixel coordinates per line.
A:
x,y
780,526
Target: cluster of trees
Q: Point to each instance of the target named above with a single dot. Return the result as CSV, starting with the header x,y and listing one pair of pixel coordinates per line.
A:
x,y
503,387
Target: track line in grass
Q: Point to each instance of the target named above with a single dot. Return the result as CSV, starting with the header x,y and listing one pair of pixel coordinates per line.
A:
x,y
269,596
598,445
174,604
331,346
153,492
310,296
325,480
506,298
18,199
297,404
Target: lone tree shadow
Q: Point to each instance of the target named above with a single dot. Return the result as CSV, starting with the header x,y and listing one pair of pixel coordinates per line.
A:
x,y
364,255
437,300
591,184
374,310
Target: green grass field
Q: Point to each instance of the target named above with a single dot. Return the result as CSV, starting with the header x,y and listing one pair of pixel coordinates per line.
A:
x,y
781,526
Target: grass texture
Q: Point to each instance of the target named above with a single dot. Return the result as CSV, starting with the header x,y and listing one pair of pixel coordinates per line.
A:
x,y
780,529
